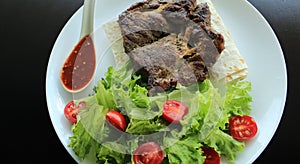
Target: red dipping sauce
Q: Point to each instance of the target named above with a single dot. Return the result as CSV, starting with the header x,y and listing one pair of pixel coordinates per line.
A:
x,y
79,67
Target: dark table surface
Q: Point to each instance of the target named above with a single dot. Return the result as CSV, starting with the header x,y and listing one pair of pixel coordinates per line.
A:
x,y
28,31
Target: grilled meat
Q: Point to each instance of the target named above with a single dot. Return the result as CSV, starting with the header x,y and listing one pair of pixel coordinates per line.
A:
x,y
162,65
141,28
170,41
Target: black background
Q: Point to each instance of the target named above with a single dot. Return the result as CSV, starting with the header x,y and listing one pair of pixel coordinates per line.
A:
x,y
28,30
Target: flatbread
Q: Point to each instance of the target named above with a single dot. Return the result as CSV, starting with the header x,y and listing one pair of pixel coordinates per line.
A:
x,y
114,36
230,66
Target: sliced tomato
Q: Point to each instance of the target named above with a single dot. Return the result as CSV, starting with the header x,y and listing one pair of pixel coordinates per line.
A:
x,y
242,127
212,157
71,110
116,119
174,111
148,153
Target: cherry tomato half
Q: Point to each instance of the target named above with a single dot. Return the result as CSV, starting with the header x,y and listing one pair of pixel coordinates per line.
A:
x,y
71,110
242,127
212,157
174,111
148,153
116,119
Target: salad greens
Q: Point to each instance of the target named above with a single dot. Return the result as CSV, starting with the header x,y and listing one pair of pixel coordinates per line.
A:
x,y
206,123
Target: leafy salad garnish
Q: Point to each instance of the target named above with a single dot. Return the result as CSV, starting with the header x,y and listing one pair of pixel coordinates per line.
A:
x,y
205,124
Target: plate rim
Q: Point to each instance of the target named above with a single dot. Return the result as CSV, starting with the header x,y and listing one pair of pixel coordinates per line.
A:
x,y
78,12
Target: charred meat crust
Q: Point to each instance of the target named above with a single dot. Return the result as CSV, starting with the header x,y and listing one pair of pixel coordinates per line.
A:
x,y
162,64
183,10
170,41
141,28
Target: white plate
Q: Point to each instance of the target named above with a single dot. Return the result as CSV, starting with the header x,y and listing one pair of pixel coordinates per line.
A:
x,y
253,36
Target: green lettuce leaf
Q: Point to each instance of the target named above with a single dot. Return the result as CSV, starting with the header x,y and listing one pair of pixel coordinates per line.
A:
x,y
224,144
130,98
108,77
208,114
90,127
238,98
236,101
186,150
204,109
104,96
81,141
111,152
210,104
139,97
146,126
192,121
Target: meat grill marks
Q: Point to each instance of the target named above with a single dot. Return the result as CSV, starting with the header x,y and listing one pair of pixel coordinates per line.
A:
x,y
140,28
162,64
169,14
170,41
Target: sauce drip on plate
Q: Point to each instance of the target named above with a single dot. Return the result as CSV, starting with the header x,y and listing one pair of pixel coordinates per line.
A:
x,y
79,67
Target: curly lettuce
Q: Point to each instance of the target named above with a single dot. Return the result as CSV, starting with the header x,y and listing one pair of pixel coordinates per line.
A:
x,y
206,123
